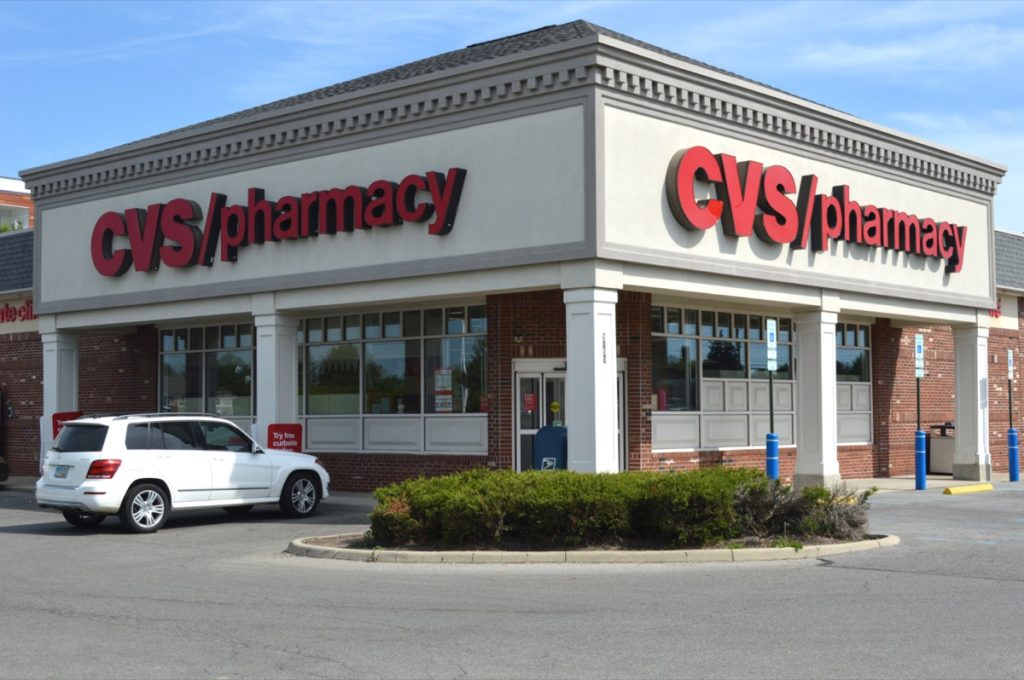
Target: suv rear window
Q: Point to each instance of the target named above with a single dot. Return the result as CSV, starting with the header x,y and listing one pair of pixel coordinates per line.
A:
x,y
81,438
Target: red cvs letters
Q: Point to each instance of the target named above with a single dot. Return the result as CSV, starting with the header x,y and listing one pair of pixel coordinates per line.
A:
x,y
751,199
170,233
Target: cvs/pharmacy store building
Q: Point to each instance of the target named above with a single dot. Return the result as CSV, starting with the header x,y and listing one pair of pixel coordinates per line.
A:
x,y
424,266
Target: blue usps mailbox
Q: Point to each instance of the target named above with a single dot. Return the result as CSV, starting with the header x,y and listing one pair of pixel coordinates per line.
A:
x,y
550,448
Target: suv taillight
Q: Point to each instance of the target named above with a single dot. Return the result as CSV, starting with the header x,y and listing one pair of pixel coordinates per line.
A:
x,y
103,468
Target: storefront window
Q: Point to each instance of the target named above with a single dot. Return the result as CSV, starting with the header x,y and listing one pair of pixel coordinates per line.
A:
x,y
853,358
371,374
731,347
208,369
723,359
675,377
456,372
333,379
229,383
759,361
181,382
392,377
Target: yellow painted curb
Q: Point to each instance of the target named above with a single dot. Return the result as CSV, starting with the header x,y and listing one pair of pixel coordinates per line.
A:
x,y
970,488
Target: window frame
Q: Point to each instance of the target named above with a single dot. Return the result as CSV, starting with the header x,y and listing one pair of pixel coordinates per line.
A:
x,y
188,341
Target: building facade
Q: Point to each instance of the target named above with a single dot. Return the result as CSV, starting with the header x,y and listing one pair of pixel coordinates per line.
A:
x,y
424,266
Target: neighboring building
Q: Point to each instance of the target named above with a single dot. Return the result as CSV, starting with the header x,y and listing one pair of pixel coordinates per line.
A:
x,y
16,209
425,265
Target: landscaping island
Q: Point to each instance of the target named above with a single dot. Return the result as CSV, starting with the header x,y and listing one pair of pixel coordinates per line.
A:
x,y
717,513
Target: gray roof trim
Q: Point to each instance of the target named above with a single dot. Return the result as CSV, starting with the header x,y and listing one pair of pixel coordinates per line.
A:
x,y
536,63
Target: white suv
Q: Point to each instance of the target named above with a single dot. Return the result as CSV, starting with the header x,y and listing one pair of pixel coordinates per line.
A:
x,y
142,466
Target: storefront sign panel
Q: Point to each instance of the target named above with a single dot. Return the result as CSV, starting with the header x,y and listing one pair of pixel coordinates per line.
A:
x,y
18,316
752,199
251,230
777,215
170,233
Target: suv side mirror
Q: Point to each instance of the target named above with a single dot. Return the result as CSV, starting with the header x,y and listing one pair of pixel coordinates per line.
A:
x,y
256,448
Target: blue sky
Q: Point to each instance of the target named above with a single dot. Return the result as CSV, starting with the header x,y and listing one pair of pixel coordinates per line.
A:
x,y
80,77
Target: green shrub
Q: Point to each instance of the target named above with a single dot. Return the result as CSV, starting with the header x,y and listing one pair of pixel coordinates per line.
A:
x,y
691,508
563,509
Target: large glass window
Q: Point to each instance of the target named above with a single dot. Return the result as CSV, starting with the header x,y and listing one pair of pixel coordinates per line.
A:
x,y
853,358
675,373
456,374
723,359
730,346
332,379
392,377
208,369
429,361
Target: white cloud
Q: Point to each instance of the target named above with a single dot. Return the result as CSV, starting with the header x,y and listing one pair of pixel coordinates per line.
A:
x,y
996,135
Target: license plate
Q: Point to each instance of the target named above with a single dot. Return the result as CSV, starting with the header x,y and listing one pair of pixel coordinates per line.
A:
x,y
61,471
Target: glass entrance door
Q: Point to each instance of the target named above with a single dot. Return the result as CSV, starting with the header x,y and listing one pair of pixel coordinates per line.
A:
x,y
541,401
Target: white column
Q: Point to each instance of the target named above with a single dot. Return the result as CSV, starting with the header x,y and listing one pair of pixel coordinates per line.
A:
x,y
972,459
60,382
591,414
277,375
816,459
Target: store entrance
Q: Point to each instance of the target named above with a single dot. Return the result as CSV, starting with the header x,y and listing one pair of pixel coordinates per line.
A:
x,y
540,400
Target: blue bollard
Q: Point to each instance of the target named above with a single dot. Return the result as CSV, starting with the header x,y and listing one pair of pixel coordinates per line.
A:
x,y
771,462
920,481
1012,443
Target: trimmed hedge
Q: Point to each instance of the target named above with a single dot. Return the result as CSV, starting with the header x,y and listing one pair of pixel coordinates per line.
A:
x,y
562,509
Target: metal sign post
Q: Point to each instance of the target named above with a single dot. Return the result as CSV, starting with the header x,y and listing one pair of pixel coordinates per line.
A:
x,y
1012,439
771,464
920,479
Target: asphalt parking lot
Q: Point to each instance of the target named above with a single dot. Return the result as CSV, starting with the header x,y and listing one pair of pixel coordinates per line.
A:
x,y
214,596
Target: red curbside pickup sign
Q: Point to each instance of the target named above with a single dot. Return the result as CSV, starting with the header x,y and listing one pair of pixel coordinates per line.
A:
x,y
62,417
285,437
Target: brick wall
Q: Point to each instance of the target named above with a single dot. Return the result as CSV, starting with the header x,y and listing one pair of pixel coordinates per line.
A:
x,y
21,383
681,461
117,373
519,326
999,341
894,391
633,316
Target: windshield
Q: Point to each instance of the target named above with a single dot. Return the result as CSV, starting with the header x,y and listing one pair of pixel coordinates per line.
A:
x,y
80,438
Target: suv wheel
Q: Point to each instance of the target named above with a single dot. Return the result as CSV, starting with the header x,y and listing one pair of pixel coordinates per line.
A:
x,y
144,509
81,519
300,495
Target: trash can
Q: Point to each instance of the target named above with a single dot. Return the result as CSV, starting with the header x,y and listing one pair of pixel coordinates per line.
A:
x,y
550,448
941,446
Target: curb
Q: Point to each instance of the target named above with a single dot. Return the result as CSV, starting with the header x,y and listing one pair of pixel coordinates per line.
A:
x,y
812,552
969,488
